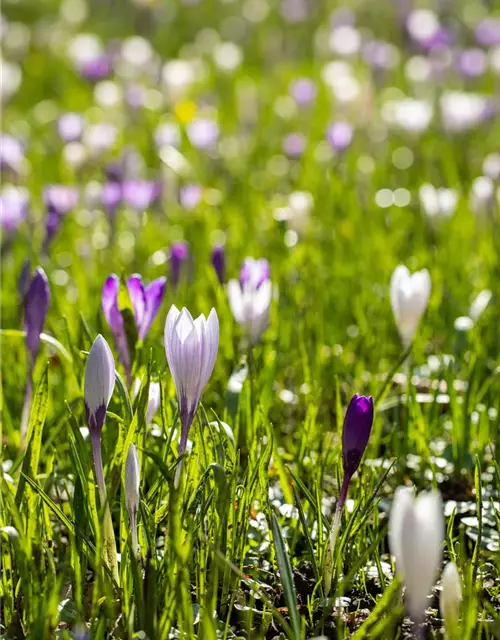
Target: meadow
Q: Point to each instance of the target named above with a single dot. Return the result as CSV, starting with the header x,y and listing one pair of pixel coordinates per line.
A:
x,y
317,455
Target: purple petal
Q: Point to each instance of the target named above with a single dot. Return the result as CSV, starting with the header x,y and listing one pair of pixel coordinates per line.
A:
x,y
137,296
154,297
219,262
109,301
111,195
178,255
36,304
356,432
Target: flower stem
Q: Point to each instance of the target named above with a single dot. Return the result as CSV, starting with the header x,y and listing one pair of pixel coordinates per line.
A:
x,y
332,538
26,406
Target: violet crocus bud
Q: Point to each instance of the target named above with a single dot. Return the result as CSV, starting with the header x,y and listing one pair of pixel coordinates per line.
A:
x,y
146,301
218,260
303,91
356,431
191,347
294,145
416,534
36,304
132,483
179,253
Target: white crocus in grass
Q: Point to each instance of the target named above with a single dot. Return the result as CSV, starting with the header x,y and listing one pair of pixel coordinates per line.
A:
x,y
191,347
132,482
437,202
98,389
153,398
409,299
416,534
451,597
250,298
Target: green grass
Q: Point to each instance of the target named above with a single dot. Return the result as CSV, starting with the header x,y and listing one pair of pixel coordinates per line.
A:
x,y
237,550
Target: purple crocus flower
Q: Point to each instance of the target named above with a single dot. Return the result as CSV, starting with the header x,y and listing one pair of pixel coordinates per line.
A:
x,y
60,198
294,145
340,135
70,127
254,271
190,196
111,195
303,91
218,260
97,68
146,301
109,302
140,194
11,153
36,304
14,204
203,133
191,347
356,432
179,253
488,32
471,63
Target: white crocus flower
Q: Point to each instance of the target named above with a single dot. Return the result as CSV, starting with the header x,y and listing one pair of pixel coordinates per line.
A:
x,y
451,596
437,202
132,483
409,299
416,534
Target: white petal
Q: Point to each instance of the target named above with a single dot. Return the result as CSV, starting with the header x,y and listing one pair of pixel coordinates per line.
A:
x,y
451,595
99,375
403,501
132,479
235,297
210,349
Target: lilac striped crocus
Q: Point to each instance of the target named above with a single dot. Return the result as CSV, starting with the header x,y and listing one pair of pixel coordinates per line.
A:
x,y
191,347
250,298
140,194
36,305
356,431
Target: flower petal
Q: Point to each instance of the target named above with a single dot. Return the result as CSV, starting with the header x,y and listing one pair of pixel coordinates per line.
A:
x,y
154,293
137,297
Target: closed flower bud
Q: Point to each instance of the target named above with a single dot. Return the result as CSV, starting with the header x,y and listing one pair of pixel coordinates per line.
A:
x,y
416,534
99,383
132,483
218,260
451,597
409,299
356,432
191,347
36,304
178,256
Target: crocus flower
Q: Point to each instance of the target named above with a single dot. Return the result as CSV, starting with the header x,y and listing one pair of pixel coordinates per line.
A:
x,y
340,135
416,533
472,63
97,69
60,198
250,298
356,431
146,302
14,204
11,153
179,253
190,196
111,195
203,133
132,483
462,111
98,388
140,194
218,260
451,597
437,202
294,145
409,299
482,195
36,304
479,304
153,398
191,347
70,127
488,32
303,91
